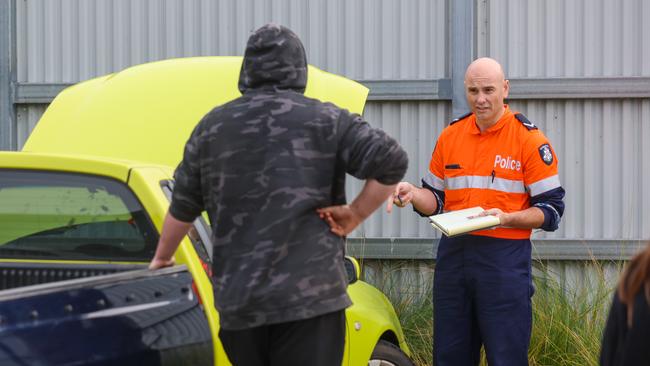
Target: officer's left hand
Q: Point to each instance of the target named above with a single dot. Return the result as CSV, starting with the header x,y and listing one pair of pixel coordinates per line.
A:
x,y
503,217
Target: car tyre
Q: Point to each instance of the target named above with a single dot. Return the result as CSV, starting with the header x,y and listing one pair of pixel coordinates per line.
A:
x,y
388,354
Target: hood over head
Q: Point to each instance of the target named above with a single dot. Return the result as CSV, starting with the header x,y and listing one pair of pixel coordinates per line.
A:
x,y
274,58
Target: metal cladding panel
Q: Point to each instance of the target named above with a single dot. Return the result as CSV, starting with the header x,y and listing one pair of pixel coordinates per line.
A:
x,y
604,164
73,40
599,143
413,279
416,126
558,38
27,115
580,276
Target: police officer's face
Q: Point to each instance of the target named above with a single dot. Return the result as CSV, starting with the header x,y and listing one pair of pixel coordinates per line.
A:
x,y
485,90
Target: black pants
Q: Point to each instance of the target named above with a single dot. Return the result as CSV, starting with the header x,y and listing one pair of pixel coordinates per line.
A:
x,y
318,341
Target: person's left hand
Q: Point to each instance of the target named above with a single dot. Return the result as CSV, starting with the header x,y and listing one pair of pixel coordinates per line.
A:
x,y
342,219
503,216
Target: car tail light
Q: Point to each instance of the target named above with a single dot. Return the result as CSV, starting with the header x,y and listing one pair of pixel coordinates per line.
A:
x,y
206,267
195,289
208,270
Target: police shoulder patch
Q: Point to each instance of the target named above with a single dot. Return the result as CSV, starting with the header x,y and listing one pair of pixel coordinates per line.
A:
x,y
546,154
524,121
460,118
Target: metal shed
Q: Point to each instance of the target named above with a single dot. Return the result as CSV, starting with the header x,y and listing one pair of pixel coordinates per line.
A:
x,y
579,69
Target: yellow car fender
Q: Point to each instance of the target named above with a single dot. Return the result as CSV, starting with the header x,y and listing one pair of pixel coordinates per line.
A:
x,y
370,317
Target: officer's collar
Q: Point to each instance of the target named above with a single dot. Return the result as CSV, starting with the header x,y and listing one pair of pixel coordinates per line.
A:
x,y
497,126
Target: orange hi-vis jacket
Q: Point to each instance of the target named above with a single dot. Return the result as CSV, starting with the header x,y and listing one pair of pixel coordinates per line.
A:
x,y
503,167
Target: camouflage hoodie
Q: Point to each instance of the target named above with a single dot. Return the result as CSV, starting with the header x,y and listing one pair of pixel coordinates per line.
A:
x,y
260,166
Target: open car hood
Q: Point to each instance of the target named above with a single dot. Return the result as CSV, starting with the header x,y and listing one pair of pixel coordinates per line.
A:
x,y
147,112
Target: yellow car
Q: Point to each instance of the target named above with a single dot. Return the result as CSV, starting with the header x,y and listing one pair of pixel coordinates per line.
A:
x,y
81,208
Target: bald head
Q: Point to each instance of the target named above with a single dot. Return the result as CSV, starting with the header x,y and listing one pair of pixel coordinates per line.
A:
x,y
486,88
485,67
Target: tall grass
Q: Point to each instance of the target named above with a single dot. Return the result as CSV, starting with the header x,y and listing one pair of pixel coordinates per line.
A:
x,y
411,296
568,317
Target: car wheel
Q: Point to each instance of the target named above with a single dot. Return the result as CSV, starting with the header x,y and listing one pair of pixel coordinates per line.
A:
x,y
388,354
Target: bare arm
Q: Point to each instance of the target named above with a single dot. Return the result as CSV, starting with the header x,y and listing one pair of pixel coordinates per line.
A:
x,y
345,218
173,232
371,197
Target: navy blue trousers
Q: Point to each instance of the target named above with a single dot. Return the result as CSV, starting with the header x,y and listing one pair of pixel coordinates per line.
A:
x,y
482,296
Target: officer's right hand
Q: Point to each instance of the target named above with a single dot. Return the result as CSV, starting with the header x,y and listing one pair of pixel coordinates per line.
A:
x,y
402,196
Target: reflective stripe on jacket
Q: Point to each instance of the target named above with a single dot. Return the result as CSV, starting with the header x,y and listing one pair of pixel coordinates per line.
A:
x,y
503,167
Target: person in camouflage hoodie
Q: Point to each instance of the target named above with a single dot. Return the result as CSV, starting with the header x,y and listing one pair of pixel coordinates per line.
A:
x,y
261,166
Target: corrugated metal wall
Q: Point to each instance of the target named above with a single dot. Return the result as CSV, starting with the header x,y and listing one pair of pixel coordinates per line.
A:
x,y
416,125
69,41
408,280
603,159
556,38
604,164
27,117
73,40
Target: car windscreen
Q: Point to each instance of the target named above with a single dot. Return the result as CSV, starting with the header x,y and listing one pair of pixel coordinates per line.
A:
x,y
54,215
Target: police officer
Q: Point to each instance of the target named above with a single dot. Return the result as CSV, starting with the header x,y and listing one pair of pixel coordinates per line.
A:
x,y
496,159
261,165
